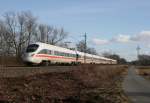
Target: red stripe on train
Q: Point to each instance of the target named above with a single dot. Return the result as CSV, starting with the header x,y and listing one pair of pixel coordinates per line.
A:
x,y
48,56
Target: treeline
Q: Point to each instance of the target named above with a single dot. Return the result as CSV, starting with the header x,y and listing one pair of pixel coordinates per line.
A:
x,y
143,60
17,30
115,57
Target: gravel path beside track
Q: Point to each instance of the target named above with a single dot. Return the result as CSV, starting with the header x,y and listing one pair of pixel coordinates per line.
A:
x,y
136,87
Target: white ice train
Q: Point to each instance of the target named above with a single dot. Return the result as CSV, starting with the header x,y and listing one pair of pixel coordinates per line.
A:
x,y
42,53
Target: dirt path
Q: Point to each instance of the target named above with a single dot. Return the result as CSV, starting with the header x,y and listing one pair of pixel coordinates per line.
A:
x,y
136,87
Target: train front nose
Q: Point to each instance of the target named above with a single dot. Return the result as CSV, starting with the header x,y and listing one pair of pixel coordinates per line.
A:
x,y
28,57
30,52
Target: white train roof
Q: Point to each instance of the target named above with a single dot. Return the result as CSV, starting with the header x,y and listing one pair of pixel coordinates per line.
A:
x,y
55,48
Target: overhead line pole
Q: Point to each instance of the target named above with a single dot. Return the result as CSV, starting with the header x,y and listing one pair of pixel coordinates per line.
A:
x,y
138,51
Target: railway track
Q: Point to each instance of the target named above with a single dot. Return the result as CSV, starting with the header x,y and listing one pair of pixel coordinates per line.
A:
x,y
21,71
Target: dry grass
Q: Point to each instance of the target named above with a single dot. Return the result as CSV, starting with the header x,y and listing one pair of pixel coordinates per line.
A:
x,y
144,71
86,84
10,61
143,67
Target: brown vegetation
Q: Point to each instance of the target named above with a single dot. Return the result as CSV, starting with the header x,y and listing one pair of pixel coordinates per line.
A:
x,y
144,71
10,61
85,84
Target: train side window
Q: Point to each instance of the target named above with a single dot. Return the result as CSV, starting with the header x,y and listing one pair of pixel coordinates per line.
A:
x,y
67,54
79,56
59,53
49,52
62,54
71,55
56,52
44,51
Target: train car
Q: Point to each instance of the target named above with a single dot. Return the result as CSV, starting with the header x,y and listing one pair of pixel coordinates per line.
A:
x,y
42,53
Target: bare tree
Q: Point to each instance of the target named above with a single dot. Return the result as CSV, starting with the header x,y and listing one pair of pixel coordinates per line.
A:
x,y
56,36
115,57
64,45
2,42
16,31
81,47
91,51
52,35
9,32
42,29
30,25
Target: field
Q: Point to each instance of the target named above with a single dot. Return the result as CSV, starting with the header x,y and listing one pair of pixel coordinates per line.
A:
x,y
83,84
144,71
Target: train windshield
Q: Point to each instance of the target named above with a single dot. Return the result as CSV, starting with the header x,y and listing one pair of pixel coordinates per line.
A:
x,y
32,48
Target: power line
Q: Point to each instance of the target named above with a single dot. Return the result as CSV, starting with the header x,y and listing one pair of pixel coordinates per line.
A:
x,y
85,45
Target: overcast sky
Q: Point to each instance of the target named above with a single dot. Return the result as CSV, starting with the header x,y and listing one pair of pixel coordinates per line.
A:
x,y
117,26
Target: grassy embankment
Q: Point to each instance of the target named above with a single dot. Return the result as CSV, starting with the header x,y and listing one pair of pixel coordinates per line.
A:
x,y
85,84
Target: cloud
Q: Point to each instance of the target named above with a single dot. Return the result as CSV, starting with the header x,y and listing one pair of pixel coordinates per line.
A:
x,y
118,39
142,37
148,45
100,41
121,38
